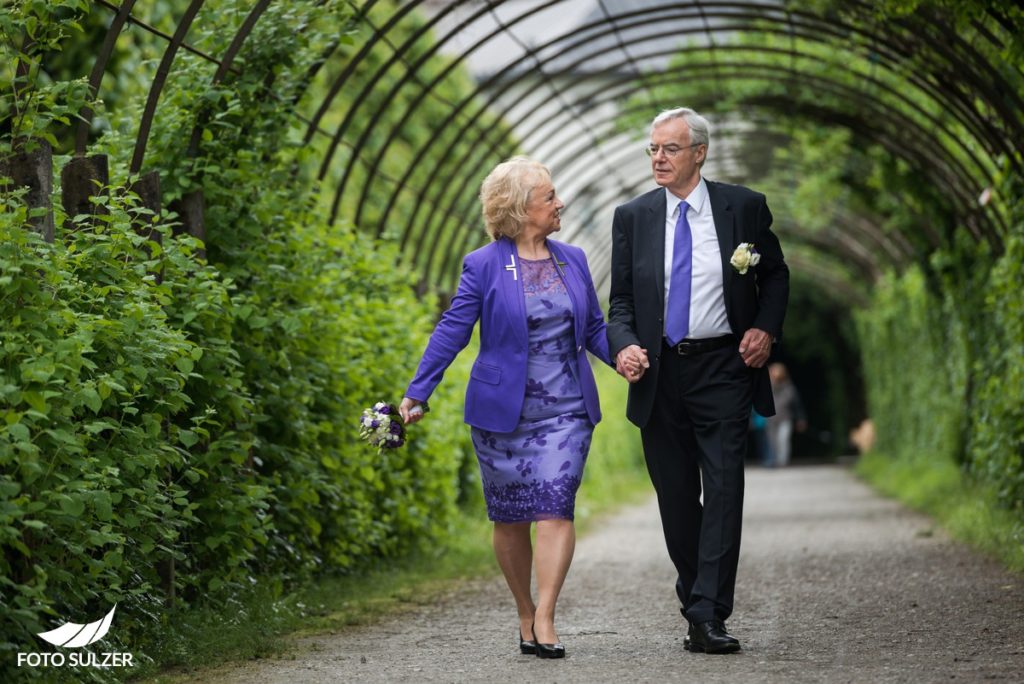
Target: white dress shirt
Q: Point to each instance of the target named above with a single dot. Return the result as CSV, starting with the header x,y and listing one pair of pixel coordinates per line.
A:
x,y
707,294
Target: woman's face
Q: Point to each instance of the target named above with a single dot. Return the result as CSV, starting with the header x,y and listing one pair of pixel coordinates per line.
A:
x,y
543,211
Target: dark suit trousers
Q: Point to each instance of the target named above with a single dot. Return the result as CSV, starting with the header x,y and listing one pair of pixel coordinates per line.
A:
x,y
698,431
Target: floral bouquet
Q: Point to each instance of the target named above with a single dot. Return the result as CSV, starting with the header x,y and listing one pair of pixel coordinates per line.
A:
x,y
382,426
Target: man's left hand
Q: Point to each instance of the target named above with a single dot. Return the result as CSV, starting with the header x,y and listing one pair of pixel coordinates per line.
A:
x,y
755,347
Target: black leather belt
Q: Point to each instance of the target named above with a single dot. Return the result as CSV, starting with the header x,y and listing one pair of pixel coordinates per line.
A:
x,y
691,347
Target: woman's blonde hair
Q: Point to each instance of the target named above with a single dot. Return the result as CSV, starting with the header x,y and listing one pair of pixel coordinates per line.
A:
x,y
505,193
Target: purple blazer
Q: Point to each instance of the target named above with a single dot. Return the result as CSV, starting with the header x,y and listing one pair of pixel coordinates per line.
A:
x,y
491,291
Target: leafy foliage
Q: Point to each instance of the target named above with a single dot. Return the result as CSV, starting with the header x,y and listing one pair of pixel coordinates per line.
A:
x,y
34,103
176,427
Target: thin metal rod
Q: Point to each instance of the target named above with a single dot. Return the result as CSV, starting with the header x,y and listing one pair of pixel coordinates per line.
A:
x,y
158,84
99,67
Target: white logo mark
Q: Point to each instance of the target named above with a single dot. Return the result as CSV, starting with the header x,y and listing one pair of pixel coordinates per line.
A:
x,y
73,635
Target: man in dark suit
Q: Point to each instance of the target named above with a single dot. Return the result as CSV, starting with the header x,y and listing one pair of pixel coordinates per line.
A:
x,y
698,295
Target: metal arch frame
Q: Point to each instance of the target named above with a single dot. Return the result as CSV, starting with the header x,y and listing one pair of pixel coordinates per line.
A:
x,y
372,82
503,27
996,98
353,64
124,15
996,94
516,126
226,62
449,210
548,80
981,136
156,87
99,68
908,154
977,65
967,124
979,60
761,15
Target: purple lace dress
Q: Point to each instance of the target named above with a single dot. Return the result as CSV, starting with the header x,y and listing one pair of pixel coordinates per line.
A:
x,y
533,472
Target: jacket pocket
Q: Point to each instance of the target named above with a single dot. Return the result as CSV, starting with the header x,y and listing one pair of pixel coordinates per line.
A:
x,y
485,372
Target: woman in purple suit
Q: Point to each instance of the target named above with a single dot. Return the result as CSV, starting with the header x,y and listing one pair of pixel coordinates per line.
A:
x,y
531,400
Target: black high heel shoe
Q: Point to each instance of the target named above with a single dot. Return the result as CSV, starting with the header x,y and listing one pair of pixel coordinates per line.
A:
x,y
549,650
526,647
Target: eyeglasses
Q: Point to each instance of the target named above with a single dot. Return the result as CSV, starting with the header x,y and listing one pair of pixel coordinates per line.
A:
x,y
670,150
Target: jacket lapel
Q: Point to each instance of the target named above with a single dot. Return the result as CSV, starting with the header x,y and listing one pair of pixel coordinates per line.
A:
x,y
725,227
653,242
510,277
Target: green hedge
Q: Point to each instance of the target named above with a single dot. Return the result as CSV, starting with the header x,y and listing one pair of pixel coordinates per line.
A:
x,y
174,429
182,424
944,364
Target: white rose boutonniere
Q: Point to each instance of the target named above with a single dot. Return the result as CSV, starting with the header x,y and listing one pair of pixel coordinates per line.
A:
x,y
744,257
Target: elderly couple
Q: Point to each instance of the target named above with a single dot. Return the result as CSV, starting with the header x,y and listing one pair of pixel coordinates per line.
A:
x,y
698,295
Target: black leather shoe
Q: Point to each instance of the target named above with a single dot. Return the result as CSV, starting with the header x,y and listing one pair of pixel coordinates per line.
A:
x,y
725,631
527,647
707,637
689,631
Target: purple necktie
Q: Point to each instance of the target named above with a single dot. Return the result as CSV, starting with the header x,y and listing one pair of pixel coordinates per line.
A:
x,y
677,316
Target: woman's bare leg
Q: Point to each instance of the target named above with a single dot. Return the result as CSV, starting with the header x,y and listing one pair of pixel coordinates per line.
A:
x,y
556,541
514,552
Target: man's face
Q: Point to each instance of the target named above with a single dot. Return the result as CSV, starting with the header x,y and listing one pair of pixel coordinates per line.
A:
x,y
680,171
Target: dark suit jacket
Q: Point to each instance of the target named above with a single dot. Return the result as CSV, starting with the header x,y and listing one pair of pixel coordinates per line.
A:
x,y
756,299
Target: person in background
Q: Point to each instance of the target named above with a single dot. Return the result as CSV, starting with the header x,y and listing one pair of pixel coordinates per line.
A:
x,y
531,401
759,436
789,414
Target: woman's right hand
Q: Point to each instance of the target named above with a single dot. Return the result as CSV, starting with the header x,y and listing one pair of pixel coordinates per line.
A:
x,y
410,410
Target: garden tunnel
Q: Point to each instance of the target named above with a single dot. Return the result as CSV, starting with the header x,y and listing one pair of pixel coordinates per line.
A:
x,y
563,75
880,131
185,409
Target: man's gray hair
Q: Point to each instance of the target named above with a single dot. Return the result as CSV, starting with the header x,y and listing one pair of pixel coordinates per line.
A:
x,y
700,129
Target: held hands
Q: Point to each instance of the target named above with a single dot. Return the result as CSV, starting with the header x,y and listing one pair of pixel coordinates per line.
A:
x,y
755,347
631,362
411,410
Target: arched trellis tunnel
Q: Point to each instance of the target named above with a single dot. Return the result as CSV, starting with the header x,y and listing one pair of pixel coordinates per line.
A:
x,y
561,77
313,144
573,83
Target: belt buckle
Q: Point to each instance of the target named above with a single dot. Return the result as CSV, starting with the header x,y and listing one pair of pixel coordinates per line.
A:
x,y
685,348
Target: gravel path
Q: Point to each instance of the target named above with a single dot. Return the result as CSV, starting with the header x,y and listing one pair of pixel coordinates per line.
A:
x,y
836,584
